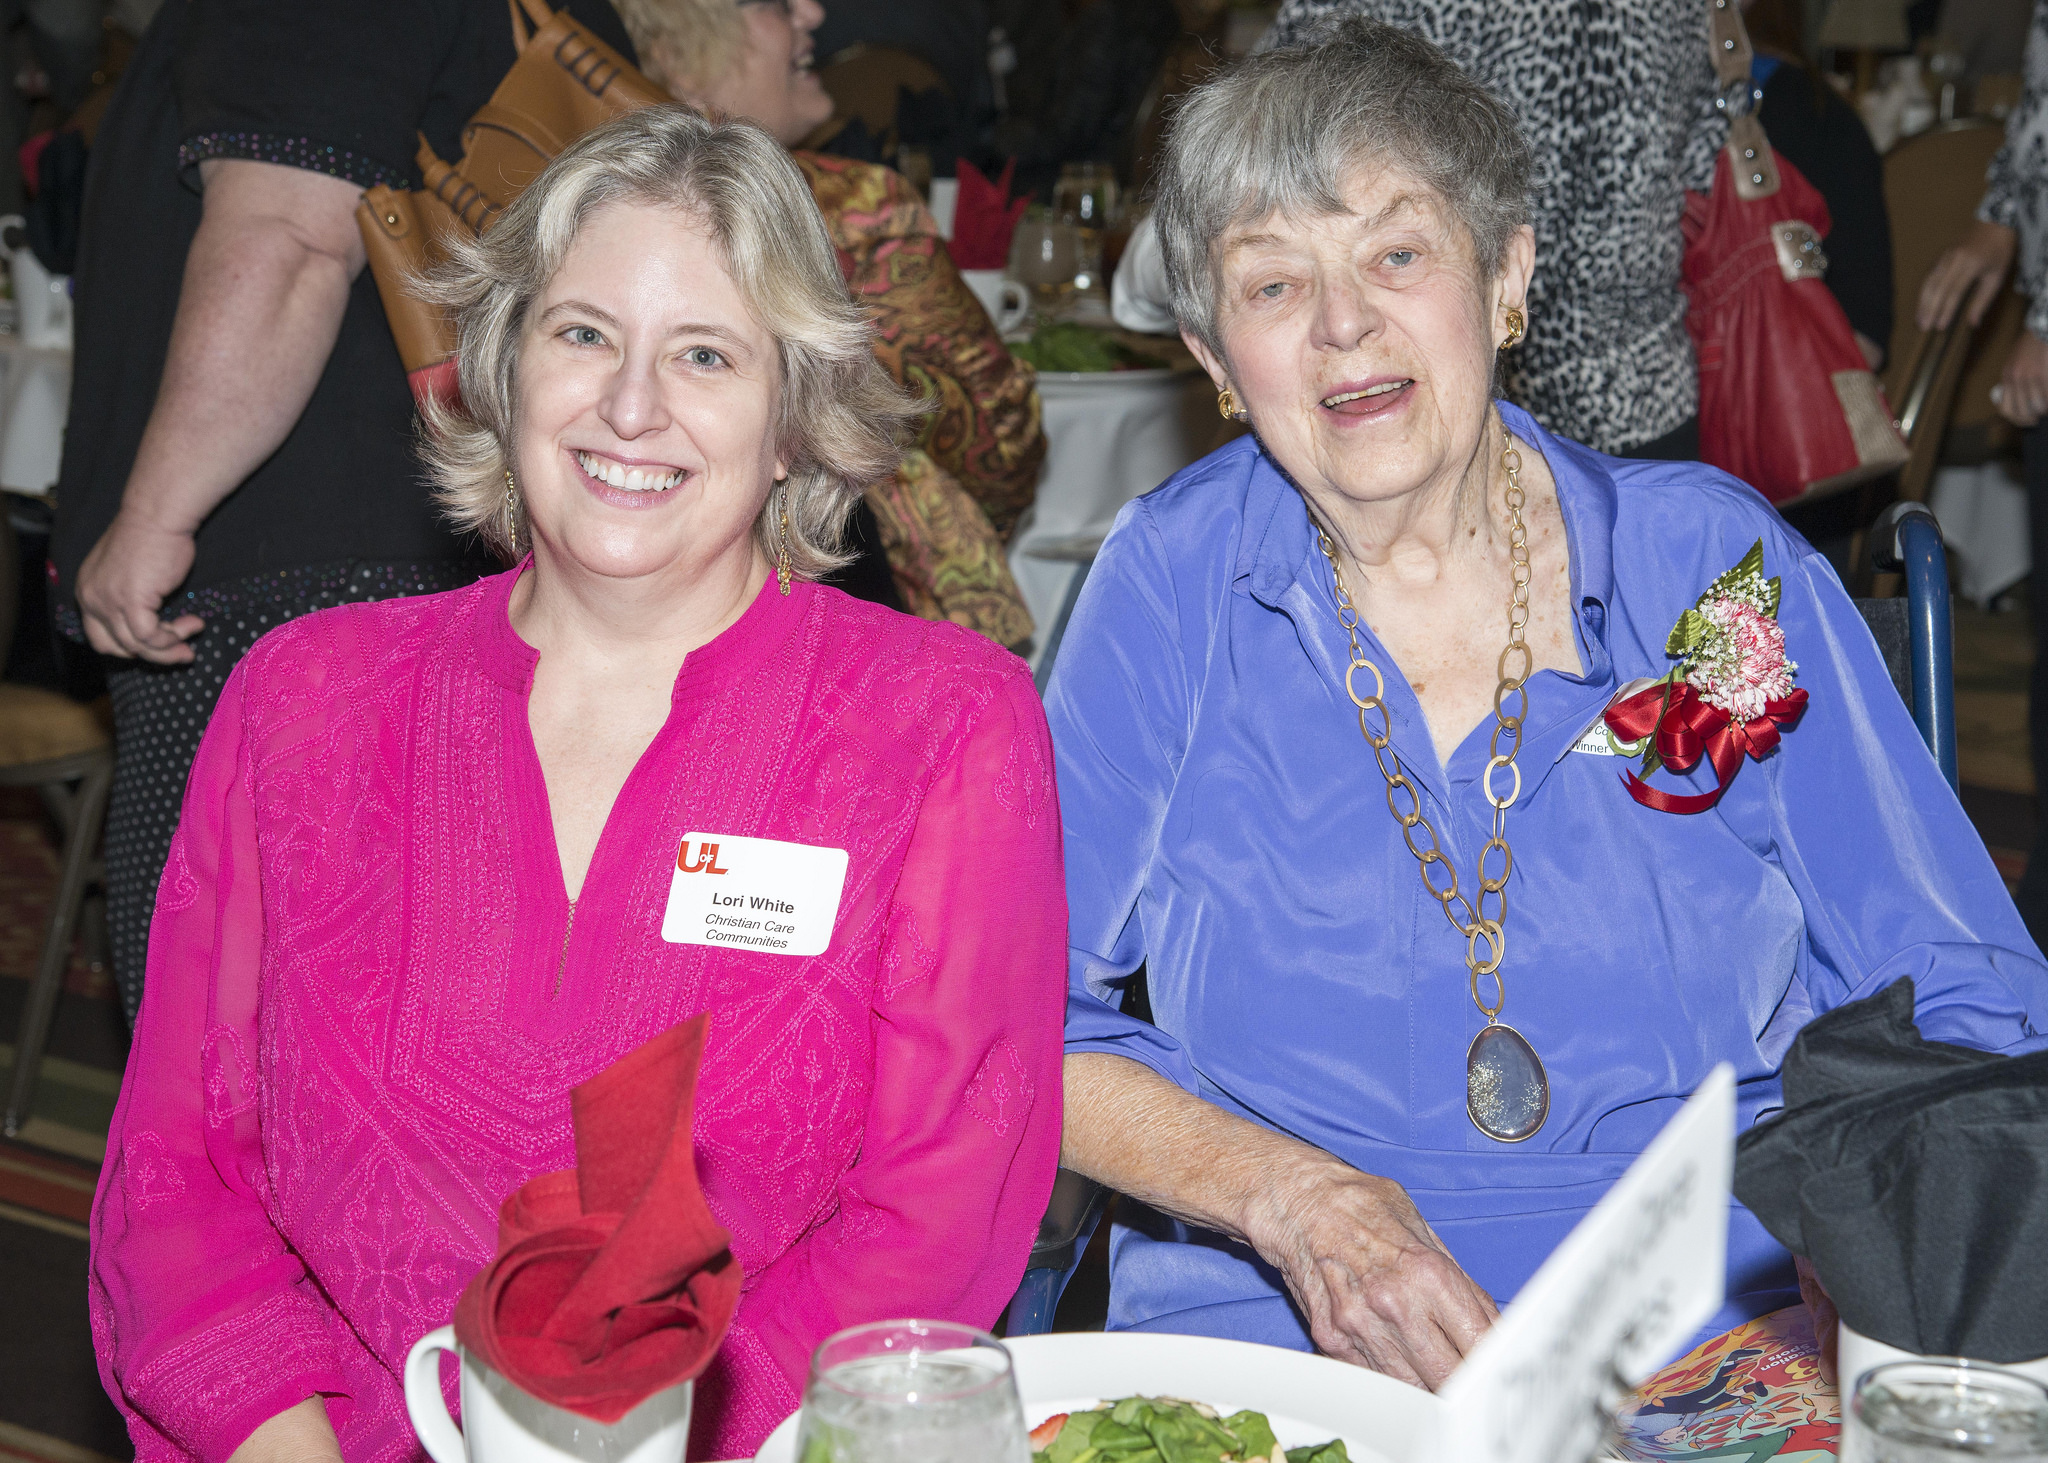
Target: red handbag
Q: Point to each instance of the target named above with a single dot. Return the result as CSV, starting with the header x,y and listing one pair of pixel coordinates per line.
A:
x,y
1787,401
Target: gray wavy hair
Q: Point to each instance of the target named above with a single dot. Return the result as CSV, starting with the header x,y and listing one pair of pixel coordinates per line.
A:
x,y
841,419
1280,132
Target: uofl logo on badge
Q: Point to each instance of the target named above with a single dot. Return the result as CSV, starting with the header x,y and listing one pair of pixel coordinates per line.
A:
x,y
771,896
706,861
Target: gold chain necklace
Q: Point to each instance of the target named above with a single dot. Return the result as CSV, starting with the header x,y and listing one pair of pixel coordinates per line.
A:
x,y
1507,1093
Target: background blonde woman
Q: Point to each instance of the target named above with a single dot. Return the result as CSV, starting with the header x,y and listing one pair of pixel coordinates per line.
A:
x,y
420,886
948,510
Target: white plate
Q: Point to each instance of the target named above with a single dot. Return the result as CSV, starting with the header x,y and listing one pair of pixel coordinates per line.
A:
x,y
1141,376
1307,1398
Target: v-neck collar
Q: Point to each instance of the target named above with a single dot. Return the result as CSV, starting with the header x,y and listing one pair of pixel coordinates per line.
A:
x,y
761,629
561,928
1281,566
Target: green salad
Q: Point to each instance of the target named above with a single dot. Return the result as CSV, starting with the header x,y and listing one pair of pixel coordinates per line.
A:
x,y
1168,1430
1064,346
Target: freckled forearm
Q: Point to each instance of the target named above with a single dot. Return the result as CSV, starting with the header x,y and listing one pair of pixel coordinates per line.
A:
x,y
259,311
1133,1131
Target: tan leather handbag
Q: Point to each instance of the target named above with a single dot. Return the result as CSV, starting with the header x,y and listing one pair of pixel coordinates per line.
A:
x,y
565,82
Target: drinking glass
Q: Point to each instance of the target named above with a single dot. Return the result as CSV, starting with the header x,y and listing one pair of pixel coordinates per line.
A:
x,y
912,1392
1044,257
1944,1410
1086,197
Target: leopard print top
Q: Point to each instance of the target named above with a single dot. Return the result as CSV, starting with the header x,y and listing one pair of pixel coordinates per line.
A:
x,y
1619,106
2016,188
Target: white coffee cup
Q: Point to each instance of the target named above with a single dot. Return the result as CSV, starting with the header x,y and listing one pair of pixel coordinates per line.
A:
x,y
1008,303
1857,1354
503,1424
943,198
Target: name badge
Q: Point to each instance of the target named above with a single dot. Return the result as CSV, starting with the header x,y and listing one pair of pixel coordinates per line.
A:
x,y
754,894
1598,740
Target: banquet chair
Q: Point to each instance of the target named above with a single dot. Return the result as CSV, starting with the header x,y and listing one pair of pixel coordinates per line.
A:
x,y
64,749
868,84
1933,183
1936,381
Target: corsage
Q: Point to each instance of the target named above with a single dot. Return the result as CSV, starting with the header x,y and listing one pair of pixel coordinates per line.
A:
x,y
1729,696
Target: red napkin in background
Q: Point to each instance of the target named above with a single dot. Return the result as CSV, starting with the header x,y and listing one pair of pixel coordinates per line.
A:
x,y
613,1281
984,218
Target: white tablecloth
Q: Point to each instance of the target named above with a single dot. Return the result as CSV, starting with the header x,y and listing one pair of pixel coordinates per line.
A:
x,y
35,393
1110,436
1983,515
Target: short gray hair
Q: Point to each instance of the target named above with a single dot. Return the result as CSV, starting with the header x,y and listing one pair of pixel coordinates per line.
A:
x,y
841,419
1280,132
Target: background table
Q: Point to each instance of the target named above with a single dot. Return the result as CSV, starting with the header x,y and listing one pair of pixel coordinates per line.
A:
x,y
1110,436
35,394
1983,515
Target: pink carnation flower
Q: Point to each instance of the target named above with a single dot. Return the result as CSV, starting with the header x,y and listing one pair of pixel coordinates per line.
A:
x,y
1742,665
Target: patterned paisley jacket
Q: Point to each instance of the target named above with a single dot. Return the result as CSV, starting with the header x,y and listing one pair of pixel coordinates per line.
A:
x,y
947,513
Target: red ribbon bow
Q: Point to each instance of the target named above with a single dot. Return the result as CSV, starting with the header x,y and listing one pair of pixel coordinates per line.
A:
x,y
1687,726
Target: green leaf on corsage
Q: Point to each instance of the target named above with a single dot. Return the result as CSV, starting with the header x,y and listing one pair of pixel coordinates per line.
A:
x,y
1751,565
1686,635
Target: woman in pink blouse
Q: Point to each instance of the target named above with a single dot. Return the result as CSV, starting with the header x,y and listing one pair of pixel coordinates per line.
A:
x,y
420,887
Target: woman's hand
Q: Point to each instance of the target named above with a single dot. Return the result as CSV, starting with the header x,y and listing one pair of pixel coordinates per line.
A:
x,y
1378,1287
1970,273
299,1434
2023,387
1376,1284
122,585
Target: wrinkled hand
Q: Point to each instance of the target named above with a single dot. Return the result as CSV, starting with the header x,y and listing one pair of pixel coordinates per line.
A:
x,y
1378,1287
2023,386
1827,1325
122,585
1969,274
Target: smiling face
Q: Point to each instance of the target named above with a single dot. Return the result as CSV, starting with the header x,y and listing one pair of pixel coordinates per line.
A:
x,y
647,401
1362,343
772,84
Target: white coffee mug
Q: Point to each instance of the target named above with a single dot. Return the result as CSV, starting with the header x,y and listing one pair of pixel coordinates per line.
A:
x,y
1857,1354
503,1424
943,198
1008,303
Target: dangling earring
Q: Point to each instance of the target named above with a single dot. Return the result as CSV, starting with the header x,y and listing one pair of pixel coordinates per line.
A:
x,y
1517,327
511,511
1226,406
782,539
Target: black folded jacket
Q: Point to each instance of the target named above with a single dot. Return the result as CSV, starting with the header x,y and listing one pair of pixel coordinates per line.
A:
x,y
1914,1175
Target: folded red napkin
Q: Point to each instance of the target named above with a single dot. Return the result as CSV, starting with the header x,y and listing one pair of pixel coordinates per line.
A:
x,y
612,1280
984,218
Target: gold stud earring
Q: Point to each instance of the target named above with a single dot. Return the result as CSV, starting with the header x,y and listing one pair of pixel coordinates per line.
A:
x,y
1226,406
782,540
511,511
1517,328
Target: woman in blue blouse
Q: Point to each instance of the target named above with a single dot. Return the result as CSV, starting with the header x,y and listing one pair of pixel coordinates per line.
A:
x,y
1357,1124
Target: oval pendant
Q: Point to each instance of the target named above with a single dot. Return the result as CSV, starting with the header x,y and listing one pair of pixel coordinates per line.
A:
x,y
1507,1094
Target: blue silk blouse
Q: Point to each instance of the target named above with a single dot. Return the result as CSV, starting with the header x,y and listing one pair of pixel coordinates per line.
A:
x,y
1226,829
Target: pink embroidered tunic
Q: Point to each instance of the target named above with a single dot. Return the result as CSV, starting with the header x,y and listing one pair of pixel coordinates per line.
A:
x,y
368,1000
